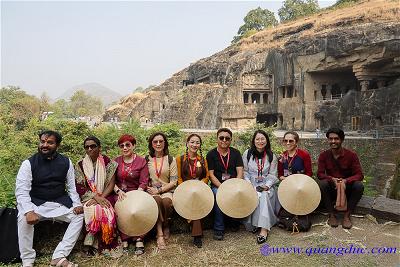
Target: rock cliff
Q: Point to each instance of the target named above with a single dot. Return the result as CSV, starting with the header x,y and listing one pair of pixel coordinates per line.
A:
x,y
338,67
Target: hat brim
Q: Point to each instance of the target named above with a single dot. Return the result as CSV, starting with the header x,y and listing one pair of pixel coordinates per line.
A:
x,y
299,194
237,198
137,213
193,200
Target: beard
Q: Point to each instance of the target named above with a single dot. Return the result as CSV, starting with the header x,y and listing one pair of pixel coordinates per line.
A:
x,y
48,153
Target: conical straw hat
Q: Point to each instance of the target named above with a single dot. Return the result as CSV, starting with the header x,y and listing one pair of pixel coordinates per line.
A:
x,y
193,199
237,198
137,213
299,194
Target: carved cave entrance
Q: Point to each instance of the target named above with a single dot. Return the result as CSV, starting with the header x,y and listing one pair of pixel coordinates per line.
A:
x,y
268,119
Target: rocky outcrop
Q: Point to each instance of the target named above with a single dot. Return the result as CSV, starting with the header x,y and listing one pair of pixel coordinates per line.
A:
x,y
334,68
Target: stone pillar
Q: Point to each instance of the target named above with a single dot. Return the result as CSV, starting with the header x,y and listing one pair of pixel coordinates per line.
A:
x,y
250,100
261,98
328,92
364,85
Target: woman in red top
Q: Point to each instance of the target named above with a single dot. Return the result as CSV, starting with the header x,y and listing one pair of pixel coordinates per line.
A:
x,y
132,174
293,160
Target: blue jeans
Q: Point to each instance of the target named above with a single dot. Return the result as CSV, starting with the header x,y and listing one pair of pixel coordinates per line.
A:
x,y
219,224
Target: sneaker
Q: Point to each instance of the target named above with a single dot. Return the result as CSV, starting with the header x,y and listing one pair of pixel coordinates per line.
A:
x,y
218,235
197,241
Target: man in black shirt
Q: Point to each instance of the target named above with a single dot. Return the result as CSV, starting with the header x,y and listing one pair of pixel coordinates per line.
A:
x,y
224,162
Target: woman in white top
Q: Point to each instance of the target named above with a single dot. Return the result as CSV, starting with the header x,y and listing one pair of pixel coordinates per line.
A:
x,y
261,169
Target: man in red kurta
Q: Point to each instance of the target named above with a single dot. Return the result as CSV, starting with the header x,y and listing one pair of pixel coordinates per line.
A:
x,y
339,166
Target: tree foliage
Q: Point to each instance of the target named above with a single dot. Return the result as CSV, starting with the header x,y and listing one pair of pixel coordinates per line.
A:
x,y
82,104
255,20
293,9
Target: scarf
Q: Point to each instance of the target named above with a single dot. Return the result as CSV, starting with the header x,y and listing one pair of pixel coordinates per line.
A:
x,y
341,200
95,177
97,218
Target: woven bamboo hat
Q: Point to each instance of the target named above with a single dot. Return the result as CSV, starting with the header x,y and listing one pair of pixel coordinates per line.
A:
x,y
137,213
299,194
193,199
237,198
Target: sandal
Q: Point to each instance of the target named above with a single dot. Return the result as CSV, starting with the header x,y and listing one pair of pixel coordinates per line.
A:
x,y
261,239
139,250
62,262
161,242
125,246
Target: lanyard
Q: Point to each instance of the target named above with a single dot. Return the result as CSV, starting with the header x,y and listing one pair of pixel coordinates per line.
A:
x,y
286,156
223,162
193,170
158,172
260,167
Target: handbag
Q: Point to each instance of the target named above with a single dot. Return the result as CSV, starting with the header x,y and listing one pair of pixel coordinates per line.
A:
x,y
9,236
293,223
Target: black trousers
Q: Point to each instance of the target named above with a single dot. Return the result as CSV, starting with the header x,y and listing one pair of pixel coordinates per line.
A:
x,y
354,192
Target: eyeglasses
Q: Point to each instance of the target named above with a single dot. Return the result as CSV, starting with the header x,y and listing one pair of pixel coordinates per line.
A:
x,y
290,141
157,142
92,146
226,138
127,145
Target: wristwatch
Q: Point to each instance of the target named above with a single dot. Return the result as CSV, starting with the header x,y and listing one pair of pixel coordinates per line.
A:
x,y
116,192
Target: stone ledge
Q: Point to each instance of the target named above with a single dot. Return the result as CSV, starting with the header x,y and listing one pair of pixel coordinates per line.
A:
x,y
380,207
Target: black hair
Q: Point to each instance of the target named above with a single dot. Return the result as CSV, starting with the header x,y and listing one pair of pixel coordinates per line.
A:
x,y
224,130
253,150
337,131
152,152
94,139
187,149
51,133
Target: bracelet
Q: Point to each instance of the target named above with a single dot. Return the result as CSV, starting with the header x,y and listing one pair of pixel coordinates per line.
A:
x,y
118,190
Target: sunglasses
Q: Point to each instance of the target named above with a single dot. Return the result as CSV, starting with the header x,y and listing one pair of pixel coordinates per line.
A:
x,y
127,145
288,141
92,146
226,138
157,142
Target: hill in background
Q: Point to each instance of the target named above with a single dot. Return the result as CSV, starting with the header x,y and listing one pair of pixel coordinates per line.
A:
x,y
106,95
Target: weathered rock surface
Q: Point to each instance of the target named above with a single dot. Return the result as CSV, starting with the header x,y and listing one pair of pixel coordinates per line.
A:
x,y
334,68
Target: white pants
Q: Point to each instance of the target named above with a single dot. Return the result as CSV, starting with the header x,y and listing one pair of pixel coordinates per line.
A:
x,y
64,248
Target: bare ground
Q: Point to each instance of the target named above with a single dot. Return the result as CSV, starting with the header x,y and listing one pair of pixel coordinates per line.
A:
x,y
240,248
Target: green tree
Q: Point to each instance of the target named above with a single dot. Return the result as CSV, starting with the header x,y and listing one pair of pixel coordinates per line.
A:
x,y
255,20
17,107
82,104
293,9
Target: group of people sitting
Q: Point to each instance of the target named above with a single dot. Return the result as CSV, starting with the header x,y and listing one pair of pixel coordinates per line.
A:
x,y
49,186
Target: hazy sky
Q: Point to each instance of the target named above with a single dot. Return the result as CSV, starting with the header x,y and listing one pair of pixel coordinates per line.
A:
x,y
52,46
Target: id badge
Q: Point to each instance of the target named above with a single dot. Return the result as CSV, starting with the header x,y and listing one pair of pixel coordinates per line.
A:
x,y
260,179
286,173
225,176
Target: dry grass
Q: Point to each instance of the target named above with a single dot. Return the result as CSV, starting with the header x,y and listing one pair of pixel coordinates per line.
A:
x,y
240,249
326,21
